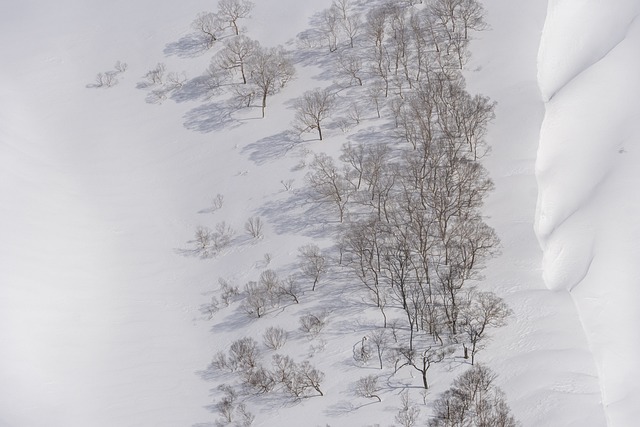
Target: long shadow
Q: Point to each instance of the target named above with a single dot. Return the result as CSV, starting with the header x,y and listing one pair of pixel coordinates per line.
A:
x,y
193,90
188,46
297,215
271,147
210,117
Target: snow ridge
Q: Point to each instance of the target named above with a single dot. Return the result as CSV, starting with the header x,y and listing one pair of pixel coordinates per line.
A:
x,y
587,198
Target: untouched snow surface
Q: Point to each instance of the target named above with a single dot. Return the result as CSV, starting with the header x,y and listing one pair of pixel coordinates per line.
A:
x,y
587,169
101,320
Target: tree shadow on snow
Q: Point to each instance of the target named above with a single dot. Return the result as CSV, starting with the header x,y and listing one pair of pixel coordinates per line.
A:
x,y
210,117
271,147
296,215
193,90
188,46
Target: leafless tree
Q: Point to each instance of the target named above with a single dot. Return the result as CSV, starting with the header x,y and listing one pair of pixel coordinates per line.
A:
x,y
329,183
379,339
203,240
312,108
236,53
254,226
349,20
368,387
243,353
120,67
221,237
207,24
483,310
471,14
228,292
289,288
408,414
246,417
329,25
312,324
310,377
258,379
230,11
107,79
269,70
227,405
473,400
351,67
257,299
422,360
312,263
156,75
274,337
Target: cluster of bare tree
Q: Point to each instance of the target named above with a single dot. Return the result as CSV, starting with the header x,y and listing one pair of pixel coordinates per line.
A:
x,y
412,230
109,78
398,42
251,71
270,291
296,379
473,400
210,26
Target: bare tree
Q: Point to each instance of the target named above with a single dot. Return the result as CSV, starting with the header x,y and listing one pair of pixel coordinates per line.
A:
x,y
350,66
235,55
312,263
379,339
408,414
254,226
243,353
274,337
246,417
473,400
228,292
423,360
329,183
258,379
156,75
270,70
349,21
227,405
230,11
329,25
289,288
471,14
257,299
312,324
207,24
221,237
484,310
312,108
368,387
203,239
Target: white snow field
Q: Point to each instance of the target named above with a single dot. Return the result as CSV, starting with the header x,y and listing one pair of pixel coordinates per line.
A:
x,y
103,318
587,170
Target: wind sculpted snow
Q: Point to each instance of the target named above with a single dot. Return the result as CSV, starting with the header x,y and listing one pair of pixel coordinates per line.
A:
x,y
587,174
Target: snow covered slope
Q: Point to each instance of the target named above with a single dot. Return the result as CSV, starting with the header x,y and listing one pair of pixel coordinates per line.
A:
x,y
101,320
587,169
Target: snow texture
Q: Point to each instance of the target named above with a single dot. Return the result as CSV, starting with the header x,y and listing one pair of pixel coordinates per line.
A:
x,y
587,174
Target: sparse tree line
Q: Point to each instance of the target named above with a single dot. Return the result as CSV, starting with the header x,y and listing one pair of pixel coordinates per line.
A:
x,y
244,361
411,231
271,292
241,65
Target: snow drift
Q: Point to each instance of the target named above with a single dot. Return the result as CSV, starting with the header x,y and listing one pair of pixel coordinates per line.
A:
x,y
587,173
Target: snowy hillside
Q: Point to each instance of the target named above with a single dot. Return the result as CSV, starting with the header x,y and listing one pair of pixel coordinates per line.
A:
x,y
110,312
587,174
